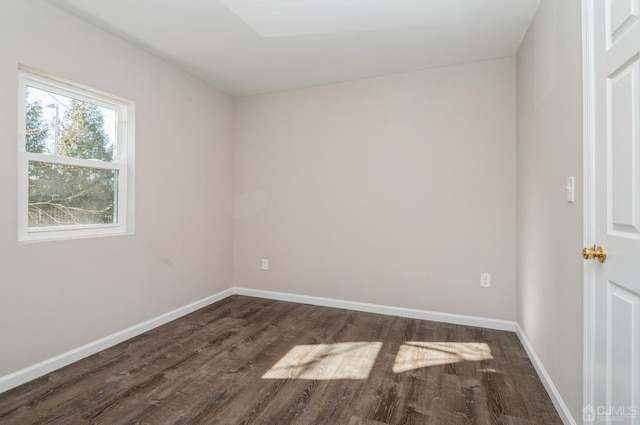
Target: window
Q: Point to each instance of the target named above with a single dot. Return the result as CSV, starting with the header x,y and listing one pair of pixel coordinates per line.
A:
x,y
76,158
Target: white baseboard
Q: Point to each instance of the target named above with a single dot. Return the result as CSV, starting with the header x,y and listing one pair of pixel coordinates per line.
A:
x,y
39,369
458,319
22,376
553,392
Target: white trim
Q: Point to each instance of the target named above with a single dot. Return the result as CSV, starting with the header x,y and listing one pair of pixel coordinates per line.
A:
x,y
74,162
458,319
589,205
37,370
68,88
122,161
553,392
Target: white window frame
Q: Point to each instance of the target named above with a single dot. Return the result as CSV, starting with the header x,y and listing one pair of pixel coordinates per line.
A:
x,y
122,161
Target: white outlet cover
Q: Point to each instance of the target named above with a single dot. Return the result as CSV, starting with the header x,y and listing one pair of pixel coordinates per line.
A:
x,y
485,280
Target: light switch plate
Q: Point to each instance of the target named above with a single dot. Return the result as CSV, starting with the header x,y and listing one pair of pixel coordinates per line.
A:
x,y
571,189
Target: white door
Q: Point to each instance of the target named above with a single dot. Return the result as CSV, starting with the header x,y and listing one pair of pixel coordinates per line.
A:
x,y
614,310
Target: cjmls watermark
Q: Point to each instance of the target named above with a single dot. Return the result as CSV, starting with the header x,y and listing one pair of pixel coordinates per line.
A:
x,y
611,413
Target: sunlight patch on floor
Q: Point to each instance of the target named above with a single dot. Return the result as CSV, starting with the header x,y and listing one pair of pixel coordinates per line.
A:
x,y
344,360
415,354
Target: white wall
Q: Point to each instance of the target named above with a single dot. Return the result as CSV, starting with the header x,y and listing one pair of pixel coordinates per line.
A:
x,y
56,296
396,190
549,75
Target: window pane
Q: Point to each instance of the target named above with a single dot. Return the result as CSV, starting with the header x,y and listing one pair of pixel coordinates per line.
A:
x,y
63,195
59,125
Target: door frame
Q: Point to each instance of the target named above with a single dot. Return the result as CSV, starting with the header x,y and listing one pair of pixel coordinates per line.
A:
x,y
589,198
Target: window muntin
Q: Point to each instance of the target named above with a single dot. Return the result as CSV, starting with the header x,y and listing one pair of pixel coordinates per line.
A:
x,y
73,161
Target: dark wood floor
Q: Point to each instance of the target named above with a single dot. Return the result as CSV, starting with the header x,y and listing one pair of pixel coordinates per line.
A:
x,y
246,360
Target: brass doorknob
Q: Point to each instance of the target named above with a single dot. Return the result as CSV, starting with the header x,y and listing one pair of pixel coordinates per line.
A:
x,y
590,253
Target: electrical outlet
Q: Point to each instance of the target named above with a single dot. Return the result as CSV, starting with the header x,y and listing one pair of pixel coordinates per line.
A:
x,y
485,280
265,264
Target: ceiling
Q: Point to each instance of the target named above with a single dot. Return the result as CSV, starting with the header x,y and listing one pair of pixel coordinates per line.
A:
x,y
247,47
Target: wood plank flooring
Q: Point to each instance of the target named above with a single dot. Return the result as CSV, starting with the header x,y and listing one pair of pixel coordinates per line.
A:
x,y
247,361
